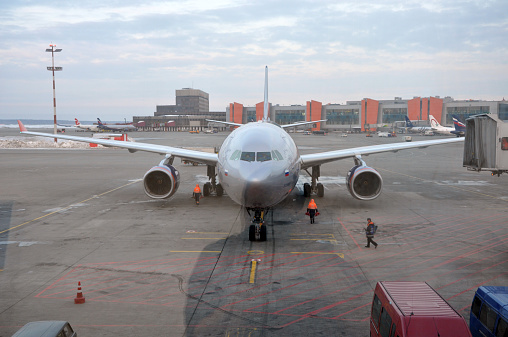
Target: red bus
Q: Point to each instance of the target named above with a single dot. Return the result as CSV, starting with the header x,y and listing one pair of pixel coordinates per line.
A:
x,y
413,309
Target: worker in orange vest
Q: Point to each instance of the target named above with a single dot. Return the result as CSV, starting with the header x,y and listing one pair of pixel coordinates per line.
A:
x,y
197,194
312,210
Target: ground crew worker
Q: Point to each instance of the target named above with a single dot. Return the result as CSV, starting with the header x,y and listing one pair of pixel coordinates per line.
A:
x,y
312,210
197,194
369,233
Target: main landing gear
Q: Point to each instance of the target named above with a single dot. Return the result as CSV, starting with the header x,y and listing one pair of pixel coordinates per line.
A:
x,y
257,230
315,187
212,186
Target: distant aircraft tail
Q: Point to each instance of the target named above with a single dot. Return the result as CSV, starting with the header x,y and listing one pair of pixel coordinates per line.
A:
x,y
459,126
409,124
77,122
433,122
99,122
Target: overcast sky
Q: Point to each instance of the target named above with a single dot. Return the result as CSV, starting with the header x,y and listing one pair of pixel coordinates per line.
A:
x,y
121,58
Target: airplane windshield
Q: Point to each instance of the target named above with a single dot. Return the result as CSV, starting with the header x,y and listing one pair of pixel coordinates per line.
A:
x,y
263,156
276,155
236,155
256,156
248,156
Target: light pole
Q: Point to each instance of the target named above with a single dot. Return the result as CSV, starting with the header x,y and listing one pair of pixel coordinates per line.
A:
x,y
53,50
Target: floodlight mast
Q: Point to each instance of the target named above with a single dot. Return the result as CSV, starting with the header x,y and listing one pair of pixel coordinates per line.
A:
x,y
53,50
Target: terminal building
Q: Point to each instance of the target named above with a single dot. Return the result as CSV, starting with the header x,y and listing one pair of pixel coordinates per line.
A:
x,y
367,114
191,112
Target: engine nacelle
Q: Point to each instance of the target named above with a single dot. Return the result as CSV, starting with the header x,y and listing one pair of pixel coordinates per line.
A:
x,y
364,183
161,181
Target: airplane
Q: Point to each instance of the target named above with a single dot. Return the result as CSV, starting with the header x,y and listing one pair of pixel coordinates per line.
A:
x,y
258,166
88,127
438,128
460,127
114,127
412,128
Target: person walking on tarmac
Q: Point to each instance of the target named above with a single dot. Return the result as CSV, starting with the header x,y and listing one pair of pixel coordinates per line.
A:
x,y
312,210
369,233
197,194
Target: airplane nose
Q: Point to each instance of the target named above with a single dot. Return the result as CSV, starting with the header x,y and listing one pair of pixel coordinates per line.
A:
x,y
260,187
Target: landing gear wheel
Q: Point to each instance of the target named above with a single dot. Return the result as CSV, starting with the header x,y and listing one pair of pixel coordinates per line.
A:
x,y
262,235
252,233
320,190
220,190
206,189
306,190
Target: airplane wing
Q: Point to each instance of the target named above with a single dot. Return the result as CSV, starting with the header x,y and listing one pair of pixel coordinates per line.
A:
x,y
302,123
197,156
309,160
228,123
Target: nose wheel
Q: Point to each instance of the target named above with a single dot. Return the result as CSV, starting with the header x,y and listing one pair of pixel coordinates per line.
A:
x,y
257,230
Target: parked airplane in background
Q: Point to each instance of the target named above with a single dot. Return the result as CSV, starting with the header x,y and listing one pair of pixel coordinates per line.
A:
x,y
88,127
114,127
412,128
460,127
258,165
438,128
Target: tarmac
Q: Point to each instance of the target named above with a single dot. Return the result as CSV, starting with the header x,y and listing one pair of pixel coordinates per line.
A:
x,y
172,268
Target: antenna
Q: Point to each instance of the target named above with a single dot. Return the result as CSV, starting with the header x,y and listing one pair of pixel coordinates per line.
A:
x,y
265,110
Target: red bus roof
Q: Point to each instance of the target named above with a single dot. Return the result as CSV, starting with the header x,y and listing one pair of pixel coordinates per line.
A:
x,y
418,299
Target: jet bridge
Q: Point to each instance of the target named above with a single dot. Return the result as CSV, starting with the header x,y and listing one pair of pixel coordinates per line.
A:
x,y
486,143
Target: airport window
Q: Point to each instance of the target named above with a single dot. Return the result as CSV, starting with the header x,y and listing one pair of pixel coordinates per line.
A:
x,y
475,308
263,156
504,143
502,328
503,112
248,156
276,155
376,310
236,155
488,316
386,323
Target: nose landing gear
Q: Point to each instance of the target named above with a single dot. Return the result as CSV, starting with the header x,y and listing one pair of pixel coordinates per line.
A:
x,y
257,230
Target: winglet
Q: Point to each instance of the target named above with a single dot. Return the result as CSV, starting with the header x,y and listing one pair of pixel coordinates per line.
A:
x,y
265,110
22,128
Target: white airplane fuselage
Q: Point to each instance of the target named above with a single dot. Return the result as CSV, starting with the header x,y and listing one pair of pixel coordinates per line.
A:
x,y
258,165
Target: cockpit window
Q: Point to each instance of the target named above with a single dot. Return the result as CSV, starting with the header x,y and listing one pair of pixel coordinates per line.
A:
x,y
236,155
276,155
263,156
248,156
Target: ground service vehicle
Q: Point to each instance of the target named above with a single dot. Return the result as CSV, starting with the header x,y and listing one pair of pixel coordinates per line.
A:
x,y
413,309
46,329
489,312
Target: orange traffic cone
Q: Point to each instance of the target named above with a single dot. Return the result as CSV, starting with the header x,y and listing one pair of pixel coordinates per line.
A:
x,y
79,297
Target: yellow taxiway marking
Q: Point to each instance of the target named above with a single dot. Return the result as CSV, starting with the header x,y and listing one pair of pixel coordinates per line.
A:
x,y
195,251
320,253
65,208
253,271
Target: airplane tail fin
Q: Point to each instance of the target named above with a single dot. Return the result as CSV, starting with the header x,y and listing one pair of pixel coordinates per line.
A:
x,y
76,121
409,124
99,121
21,126
265,109
433,122
459,126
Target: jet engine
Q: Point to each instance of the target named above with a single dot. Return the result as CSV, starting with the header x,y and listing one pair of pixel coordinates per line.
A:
x,y
364,183
161,181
